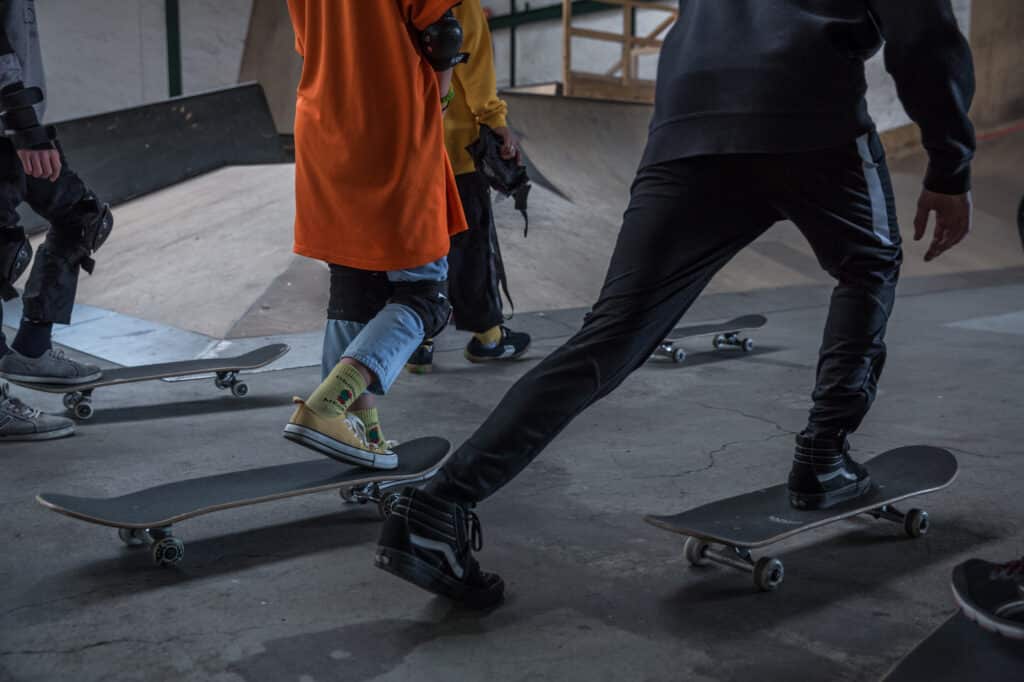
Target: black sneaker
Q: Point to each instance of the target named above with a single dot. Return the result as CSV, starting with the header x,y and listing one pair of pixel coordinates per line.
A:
x,y
429,542
992,595
512,346
422,359
823,474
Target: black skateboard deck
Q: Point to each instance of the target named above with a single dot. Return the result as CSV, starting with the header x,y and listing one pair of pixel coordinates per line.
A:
x,y
727,335
147,516
959,650
764,517
78,398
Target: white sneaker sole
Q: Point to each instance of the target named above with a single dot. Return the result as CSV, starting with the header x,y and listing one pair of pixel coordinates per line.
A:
x,y
987,622
338,450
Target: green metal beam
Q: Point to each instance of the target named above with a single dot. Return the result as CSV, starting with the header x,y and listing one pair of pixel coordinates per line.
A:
x,y
172,15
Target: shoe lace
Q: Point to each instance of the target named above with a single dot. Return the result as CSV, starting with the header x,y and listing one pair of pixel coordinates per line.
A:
x,y
1012,570
476,533
14,405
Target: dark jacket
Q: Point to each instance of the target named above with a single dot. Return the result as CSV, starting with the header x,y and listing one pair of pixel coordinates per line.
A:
x,y
777,76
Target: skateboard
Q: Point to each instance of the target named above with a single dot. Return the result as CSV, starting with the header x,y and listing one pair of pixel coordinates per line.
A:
x,y
727,335
725,532
78,398
147,517
959,650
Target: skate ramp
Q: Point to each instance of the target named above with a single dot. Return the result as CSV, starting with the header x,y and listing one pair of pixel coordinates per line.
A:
x,y
589,151
212,255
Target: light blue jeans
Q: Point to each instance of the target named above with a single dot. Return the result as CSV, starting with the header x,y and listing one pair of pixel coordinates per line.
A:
x,y
385,343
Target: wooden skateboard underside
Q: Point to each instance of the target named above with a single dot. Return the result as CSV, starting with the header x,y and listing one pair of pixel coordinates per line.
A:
x,y
765,516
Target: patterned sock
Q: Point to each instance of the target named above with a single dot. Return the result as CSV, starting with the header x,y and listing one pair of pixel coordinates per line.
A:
x,y
33,338
339,390
370,418
489,338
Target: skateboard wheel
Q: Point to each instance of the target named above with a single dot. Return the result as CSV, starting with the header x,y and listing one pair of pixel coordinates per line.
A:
x,y
83,410
916,523
748,345
348,495
133,537
70,400
240,390
168,551
679,356
768,574
694,550
718,341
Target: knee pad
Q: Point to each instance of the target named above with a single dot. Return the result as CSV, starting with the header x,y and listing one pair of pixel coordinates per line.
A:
x,y
15,255
429,300
441,43
82,232
357,295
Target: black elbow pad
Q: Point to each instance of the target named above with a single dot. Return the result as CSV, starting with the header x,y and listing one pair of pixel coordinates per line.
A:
x,y
441,43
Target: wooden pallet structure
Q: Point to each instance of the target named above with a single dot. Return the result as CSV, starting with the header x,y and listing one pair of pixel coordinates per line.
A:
x,y
621,81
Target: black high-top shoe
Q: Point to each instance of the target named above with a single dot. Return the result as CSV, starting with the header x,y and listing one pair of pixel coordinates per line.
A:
x,y
823,474
429,542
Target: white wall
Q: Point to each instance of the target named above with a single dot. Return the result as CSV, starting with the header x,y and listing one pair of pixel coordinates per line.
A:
x,y
539,54
102,55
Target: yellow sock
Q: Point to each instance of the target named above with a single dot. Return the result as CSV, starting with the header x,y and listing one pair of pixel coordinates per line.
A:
x,y
370,417
490,337
336,394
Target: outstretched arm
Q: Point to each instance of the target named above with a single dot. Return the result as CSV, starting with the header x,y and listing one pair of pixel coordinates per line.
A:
x,y
931,63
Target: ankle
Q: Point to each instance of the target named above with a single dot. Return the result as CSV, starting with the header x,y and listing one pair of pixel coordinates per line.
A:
x,y
33,338
490,337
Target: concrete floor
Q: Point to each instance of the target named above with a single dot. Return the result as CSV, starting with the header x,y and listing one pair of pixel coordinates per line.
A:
x,y
287,590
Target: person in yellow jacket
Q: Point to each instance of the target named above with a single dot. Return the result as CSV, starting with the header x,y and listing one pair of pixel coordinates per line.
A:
x,y
475,270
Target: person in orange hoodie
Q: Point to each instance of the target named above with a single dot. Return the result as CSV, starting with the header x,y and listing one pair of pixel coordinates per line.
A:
x,y
375,198
475,268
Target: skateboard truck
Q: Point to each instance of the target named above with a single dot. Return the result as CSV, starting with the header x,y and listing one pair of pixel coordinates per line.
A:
x,y
230,381
733,340
769,572
165,549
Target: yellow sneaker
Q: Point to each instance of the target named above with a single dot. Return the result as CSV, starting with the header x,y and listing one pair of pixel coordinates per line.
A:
x,y
342,438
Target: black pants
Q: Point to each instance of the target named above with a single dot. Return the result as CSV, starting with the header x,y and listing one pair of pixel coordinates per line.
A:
x,y
685,220
475,269
49,294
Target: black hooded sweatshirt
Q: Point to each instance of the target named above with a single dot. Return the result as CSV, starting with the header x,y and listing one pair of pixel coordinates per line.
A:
x,y
778,76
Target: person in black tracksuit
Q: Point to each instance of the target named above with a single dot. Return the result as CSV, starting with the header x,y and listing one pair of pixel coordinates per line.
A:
x,y
759,116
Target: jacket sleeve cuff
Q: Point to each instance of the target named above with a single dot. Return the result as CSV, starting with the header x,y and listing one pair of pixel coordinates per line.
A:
x,y
494,120
945,181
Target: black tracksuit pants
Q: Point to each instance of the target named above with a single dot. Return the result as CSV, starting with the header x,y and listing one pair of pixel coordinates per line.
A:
x,y
686,218
475,270
49,294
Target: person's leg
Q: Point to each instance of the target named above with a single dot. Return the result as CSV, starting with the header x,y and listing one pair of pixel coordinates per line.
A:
x,y
842,201
80,224
415,304
18,421
685,220
476,274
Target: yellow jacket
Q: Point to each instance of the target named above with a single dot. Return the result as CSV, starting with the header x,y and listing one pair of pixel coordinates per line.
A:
x,y
476,92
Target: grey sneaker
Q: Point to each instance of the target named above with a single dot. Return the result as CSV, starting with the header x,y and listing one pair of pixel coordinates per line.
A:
x,y
19,422
52,367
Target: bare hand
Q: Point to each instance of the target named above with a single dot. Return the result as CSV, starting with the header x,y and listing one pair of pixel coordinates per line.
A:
x,y
41,163
952,220
510,148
